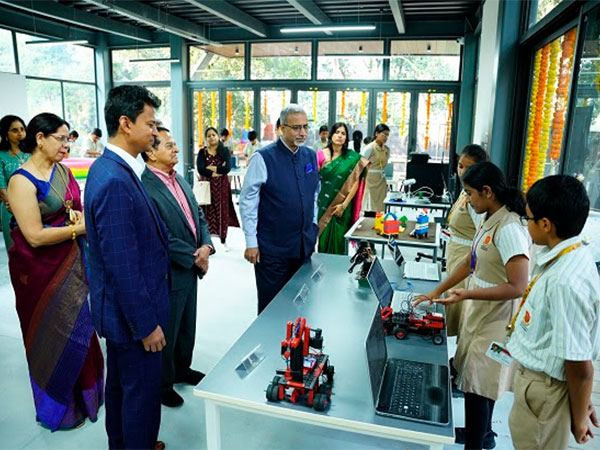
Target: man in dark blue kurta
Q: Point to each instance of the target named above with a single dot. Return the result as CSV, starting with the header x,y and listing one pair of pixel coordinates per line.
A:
x,y
278,205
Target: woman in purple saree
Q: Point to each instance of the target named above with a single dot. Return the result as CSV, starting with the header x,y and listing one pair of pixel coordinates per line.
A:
x,y
48,274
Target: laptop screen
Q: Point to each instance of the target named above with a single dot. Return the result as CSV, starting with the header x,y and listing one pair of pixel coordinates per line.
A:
x,y
380,284
376,354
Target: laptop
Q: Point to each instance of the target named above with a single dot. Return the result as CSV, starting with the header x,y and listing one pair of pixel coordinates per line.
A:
x,y
405,389
421,271
383,290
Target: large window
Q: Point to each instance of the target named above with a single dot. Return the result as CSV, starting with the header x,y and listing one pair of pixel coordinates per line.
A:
x,y
548,101
224,62
43,96
80,106
350,60
123,69
434,125
7,58
164,112
540,9
280,60
393,109
352,108
62,62
316,105
583,149
425,60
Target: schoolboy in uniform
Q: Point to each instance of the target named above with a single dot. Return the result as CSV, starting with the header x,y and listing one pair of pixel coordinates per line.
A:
x,y
555,335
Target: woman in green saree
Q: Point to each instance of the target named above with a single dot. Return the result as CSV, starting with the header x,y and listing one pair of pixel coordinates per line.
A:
x,y
12,132
342,184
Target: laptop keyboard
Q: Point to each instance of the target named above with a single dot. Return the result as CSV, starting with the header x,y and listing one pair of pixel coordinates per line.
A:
x,y
405,381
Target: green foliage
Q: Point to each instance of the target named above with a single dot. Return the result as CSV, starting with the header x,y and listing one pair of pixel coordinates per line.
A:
x,y
164,112
425,67
7,61
210,66
43,96
123,70
62,62
80,107
280,67
351,68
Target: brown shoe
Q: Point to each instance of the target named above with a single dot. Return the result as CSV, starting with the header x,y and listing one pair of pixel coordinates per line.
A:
x,y
160,445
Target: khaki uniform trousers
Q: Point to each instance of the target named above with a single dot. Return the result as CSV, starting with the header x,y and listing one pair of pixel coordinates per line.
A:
x,y
540,417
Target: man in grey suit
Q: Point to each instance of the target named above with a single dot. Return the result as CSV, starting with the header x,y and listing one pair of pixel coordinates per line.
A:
x,y
189,248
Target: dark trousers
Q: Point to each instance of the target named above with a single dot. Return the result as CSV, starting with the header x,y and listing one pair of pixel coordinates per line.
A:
x,y
272,273
478,419
180,336
132,396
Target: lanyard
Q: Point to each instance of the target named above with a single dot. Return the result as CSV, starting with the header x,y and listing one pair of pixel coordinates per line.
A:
x,y
476,241
511,327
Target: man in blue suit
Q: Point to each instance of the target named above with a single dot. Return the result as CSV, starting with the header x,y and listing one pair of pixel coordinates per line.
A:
x,y
129,271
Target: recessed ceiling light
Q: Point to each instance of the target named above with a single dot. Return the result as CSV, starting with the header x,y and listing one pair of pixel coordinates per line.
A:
x,y
316,29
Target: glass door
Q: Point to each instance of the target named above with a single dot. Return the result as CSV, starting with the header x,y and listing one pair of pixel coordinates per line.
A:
x,y
434,125
205,110
352,107
316,105
239,117
271,103
393,109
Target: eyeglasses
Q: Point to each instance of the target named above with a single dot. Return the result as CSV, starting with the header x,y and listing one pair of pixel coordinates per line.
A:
x,y
297,128
525,220
62,138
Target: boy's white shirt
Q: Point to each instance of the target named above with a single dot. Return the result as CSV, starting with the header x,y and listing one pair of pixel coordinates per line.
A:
x,y
561,317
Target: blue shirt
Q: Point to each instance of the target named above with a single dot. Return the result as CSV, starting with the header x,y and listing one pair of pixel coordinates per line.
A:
x,y
255,177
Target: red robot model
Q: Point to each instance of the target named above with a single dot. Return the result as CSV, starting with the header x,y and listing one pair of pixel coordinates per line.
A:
x,y
408,320
308,375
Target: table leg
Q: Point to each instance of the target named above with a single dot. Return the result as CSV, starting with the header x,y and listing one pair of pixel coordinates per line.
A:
x,y
347,246
435,252
213,425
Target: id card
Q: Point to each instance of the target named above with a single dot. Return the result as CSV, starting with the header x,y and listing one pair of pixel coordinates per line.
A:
x,y
499,353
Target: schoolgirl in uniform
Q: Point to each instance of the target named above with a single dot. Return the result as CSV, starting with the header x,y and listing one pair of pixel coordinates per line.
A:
x,y
462,230
378,155
497,272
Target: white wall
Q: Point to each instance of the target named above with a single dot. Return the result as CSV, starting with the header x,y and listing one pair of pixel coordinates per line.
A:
x,y
488,69
13,97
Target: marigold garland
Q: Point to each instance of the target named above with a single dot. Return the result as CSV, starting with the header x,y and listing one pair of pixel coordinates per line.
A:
x,y
265,105
547,115
427,120
283,100
403,116
531,119
363,104
562,94
213,109
384,110
343,105
314,105
247,110
229,110
537,124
